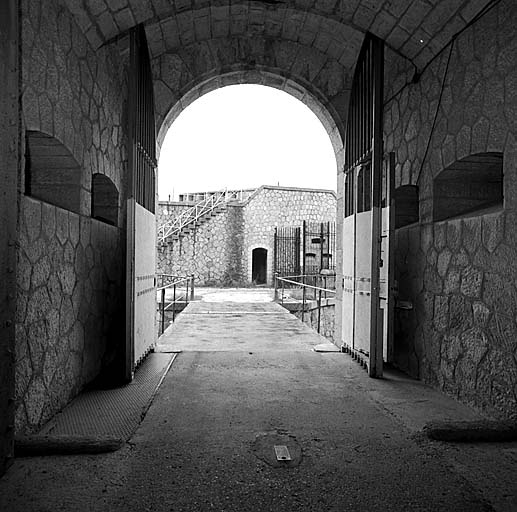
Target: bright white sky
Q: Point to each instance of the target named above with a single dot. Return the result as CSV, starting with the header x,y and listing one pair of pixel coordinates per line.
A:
x,y
245,136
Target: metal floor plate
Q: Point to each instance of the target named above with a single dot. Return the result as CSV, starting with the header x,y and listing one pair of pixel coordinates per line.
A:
x,y
112,412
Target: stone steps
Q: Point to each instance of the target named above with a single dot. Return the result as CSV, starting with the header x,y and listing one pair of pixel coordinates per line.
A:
x,y
193,226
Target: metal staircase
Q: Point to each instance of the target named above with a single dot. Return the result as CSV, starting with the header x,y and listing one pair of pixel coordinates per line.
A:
x,y
190,219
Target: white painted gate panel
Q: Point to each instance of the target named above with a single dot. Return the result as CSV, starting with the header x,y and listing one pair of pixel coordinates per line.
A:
x,y
363,241
348,280
141,287
357,275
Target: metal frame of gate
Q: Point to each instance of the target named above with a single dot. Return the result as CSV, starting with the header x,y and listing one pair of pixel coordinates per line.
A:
x,y
307,250
141,228
363,319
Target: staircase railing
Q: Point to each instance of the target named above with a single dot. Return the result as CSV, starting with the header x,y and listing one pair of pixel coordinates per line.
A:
x,y
191,215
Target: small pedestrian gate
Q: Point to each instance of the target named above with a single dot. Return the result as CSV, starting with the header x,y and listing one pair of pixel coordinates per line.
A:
x,y
367,308
141,224
305,250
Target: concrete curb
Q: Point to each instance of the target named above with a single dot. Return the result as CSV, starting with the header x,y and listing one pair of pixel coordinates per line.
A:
x,y
31,446
471,431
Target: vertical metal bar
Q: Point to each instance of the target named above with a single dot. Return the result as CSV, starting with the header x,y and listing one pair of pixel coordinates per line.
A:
x,y
321,246
276,286
303,302
370,94
275,255
390,201
304,249
163,310
297,251
319,310
361,106
174,303
283,282
376,351
192,287
186,292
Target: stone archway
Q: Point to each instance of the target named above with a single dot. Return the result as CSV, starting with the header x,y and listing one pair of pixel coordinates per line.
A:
x,y
332,120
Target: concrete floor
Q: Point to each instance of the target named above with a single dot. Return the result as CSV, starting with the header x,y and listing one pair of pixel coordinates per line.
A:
x,y
247,379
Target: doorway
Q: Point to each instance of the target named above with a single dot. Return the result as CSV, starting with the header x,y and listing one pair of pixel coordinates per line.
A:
x,y
259,265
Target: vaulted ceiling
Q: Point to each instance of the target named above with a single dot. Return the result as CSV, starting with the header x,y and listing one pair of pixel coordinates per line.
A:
x,y
417,29
306,47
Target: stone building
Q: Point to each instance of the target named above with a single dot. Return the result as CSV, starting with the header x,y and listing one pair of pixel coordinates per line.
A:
x,y
235,244
69,153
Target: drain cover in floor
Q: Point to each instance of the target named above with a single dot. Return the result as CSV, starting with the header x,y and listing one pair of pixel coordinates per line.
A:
x,y
278,449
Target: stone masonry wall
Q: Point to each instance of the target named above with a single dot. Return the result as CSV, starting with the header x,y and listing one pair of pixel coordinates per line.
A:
x,y
208,253
219,251
327,317
168,210
69,280
70,266
272,207
460,274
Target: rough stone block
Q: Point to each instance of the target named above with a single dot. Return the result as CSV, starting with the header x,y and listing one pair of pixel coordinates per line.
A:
x,y
471,282
444,259
481,313
452,281
492,230
441,312
40,272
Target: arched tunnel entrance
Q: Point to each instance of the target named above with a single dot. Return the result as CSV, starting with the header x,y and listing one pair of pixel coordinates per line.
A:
x,y
263,207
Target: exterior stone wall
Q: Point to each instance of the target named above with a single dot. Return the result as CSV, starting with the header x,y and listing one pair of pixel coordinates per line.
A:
x,y
207,252
219,251
168,210
272,207
460,275
70,266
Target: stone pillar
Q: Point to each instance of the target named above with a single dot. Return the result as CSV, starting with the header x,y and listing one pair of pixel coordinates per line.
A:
x,y
9,166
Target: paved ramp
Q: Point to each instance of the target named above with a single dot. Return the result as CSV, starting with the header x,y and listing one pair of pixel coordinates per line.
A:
x,y
237,326
247,381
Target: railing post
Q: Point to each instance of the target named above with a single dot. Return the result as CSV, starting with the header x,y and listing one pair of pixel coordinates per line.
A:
x,y
192,287
303,300
283,283
163,310
174,304
319,310
275,279
186,292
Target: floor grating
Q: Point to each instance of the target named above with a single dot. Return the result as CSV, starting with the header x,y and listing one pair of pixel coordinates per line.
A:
x,y
112,412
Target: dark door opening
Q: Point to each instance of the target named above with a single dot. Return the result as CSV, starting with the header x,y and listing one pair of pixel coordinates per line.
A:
x,y
259,266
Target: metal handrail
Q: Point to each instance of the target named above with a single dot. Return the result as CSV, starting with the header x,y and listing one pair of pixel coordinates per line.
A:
x,y
176,282
191,215
189,281
287,280
304,287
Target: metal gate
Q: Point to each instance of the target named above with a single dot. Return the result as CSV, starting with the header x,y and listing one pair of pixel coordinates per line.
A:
x,y
319,247
367,304
141,224
287,255
305,251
